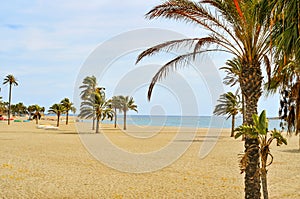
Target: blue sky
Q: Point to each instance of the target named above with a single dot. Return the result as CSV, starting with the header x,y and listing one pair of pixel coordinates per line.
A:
x,y
45,44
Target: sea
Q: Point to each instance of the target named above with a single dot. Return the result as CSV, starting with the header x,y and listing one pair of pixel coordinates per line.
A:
x,y
184,121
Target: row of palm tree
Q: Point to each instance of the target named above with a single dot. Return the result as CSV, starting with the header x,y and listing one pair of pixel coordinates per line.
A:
x,y
257,33
64,107
122,104
95,106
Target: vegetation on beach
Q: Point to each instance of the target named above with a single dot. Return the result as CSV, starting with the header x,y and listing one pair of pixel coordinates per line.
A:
x,y
68,106
229,104
249,30
261,35
259,130
11,81
94,104
126,104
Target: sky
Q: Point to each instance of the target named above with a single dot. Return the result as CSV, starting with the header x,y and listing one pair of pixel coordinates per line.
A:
x,y
50,46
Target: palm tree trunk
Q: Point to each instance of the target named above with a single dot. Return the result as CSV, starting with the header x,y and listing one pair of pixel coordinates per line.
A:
x,y
124,119
58,116
36,118
94,118
264,177
298,110
9,102
243,112
97,125
232,126
251,82
67,118
298,107
115,117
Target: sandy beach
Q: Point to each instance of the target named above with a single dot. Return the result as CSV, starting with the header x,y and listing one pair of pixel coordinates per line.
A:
x,y
39,163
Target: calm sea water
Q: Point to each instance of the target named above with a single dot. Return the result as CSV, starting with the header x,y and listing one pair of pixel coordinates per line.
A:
x,y
185,121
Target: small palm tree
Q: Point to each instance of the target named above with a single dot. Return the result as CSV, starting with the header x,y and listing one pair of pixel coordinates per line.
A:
x,y
115,104
233,77
259,130
68,107
12,81
58,109
3,107
36,110
127,103
20,108
229,104
95,105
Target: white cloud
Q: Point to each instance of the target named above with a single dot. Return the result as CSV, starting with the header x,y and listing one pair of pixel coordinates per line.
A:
x,y
44,43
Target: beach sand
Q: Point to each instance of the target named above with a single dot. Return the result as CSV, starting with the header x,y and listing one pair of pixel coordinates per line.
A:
x,y
39,163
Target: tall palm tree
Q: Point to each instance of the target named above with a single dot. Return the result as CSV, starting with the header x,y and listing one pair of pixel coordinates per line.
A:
x,y
115,104
95,104
68,107
127,103
58,109
89,87
241,28
12,81
229,104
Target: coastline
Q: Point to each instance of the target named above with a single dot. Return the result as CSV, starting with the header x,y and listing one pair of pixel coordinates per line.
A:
x,y
43,163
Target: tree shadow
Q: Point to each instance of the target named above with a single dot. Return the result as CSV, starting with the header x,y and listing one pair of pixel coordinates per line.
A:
x,y
291,151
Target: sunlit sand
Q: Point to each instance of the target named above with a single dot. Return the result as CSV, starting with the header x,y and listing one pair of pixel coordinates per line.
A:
x,y
41,163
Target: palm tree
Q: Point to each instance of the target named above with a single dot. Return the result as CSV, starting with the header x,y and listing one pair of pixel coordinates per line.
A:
x,y
115,104
3,107
259,130
58,109
68,107
233,70
12,81
89,87
36,111
229,104
30,110
127,103
95,104
286,40
20,108
241,28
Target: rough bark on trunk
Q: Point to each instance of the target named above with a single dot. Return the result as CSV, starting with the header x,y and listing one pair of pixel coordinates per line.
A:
x,y
251,82
264,157
264,183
